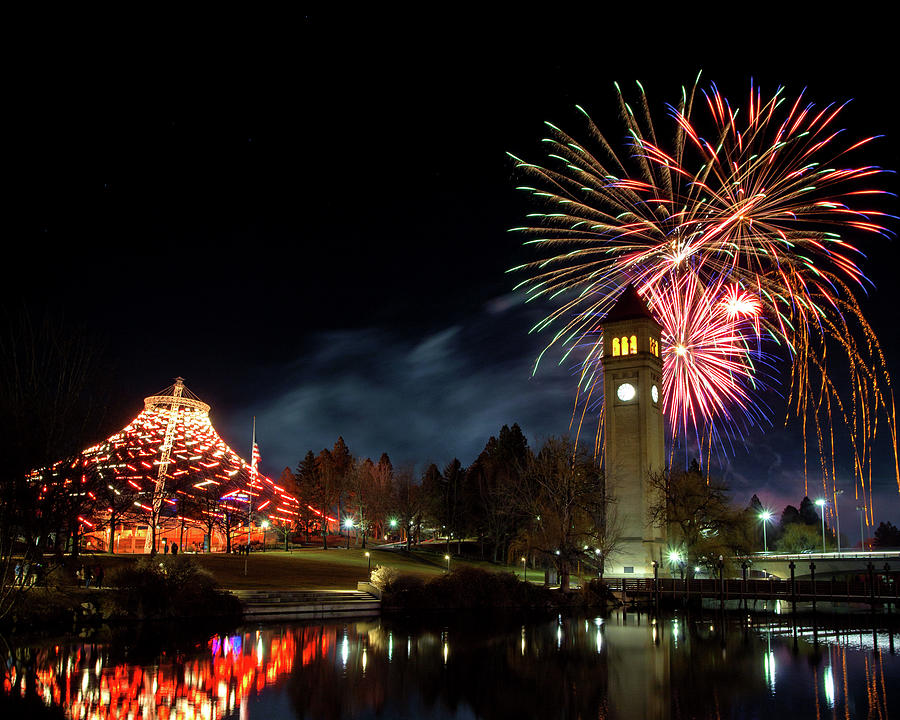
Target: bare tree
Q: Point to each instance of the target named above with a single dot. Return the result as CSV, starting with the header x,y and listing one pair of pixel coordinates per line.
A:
x,y
698,514
47,417
409,503
563,493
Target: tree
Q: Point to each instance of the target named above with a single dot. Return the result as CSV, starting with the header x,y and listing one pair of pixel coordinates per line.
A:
x,y
341,462
789,515
115,505
381,493
358,485
699,516
281,525
206,508
443,491
887,536
563,491
47,416
799,537
330,481
307,482
409,503
808,514
494,479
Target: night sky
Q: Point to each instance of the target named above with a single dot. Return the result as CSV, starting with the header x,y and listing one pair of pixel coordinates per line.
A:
x,y
307,218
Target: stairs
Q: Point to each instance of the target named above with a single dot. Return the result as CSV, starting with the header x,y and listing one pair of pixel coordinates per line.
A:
x,y
299,604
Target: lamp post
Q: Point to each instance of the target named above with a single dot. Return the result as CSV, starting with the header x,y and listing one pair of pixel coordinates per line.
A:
x,y
862,535
821,503
837,519
447,558
265,526
676,561
765,516
525,568
369,559
348,524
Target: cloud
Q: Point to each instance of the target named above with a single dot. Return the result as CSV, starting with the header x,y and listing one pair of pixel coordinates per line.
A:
x,y
433,396
420,398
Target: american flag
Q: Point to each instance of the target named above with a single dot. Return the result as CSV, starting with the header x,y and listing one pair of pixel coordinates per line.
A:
x,y
254,464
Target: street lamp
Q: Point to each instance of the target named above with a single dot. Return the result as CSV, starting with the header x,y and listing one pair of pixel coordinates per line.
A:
x,y
765,516
369,558
348,524
525,568
675,560
265,526
447,558
821,503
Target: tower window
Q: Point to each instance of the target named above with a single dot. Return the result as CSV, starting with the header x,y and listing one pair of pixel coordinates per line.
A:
x,y
616,350
654,346
634,344
624,345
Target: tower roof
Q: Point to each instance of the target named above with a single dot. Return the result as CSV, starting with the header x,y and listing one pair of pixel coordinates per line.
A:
x,y
629,306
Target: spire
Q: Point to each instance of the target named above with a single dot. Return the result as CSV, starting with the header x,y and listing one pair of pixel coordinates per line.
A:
x,y
629,306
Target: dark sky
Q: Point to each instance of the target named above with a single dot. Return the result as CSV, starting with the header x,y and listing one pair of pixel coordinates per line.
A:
x,y
307,217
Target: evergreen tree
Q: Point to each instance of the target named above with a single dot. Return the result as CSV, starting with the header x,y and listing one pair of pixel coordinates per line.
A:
x,y
887,536
493,480
790,515
307,480
808,514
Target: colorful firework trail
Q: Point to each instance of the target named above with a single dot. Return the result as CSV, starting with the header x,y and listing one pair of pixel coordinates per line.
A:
x,y
736,236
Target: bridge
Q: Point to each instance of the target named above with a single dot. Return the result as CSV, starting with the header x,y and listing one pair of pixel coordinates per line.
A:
x,y
859,578
819,565
860,582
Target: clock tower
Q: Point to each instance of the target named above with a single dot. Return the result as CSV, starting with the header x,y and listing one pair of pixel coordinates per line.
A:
x,y
633,437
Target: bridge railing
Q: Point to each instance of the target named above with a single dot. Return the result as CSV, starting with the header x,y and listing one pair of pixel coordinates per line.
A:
x,y
879,588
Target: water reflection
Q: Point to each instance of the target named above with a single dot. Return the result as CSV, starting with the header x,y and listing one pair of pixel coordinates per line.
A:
x,y
620,666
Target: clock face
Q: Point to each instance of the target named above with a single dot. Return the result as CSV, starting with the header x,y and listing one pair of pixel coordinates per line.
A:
x,y
654,393
626,392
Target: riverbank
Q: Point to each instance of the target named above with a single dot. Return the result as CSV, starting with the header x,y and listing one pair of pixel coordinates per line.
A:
x,y
65,604
308,568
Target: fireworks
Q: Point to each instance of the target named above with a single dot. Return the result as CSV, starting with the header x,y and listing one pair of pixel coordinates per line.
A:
x,y
736,236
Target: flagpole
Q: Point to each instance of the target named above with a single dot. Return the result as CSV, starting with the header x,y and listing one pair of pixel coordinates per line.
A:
x,y
250,494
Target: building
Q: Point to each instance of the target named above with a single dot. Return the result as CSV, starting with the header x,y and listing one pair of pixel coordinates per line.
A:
x,y
633,434
170,470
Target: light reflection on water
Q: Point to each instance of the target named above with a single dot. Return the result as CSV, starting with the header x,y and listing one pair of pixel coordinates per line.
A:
x,y
620,666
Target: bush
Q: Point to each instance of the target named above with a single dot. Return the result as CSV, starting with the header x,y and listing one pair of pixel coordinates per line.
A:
x,y
465,588
597,593
166,587
383,576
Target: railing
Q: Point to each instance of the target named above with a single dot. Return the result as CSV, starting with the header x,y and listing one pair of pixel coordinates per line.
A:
x,y
874,589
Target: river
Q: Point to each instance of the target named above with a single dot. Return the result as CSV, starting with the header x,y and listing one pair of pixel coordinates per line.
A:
x,y
506,666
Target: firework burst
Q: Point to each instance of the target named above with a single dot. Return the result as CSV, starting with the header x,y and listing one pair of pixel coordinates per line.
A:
x,y
736,234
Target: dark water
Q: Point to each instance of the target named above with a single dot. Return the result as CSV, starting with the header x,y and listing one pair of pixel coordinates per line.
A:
x,y
619,666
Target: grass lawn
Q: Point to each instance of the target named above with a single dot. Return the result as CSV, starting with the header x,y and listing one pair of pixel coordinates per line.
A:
x,y
308,568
